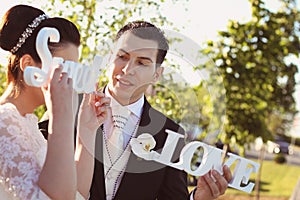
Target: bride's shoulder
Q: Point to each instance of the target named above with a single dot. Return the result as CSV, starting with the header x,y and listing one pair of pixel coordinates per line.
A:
x,y
7,110
12,122
8,113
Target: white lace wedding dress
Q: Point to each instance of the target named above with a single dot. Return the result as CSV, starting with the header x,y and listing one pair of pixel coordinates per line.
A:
x,y
22,154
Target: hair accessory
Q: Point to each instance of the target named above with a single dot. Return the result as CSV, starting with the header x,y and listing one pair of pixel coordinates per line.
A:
x,y
28,31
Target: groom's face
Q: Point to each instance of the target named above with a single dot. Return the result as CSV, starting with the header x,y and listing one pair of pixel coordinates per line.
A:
x,y
133,68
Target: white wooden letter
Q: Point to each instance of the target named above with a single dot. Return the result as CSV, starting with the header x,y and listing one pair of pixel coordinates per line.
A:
x,y
242,172
35,76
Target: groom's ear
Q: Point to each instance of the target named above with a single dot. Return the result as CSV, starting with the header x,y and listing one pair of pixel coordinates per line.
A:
x,y
158,73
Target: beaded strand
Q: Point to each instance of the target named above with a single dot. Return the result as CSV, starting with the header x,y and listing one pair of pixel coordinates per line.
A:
x,y
110,159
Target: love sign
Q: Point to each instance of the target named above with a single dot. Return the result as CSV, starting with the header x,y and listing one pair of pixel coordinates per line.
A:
x,y
84,77
212,158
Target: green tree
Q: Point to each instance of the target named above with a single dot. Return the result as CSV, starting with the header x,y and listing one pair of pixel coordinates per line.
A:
x,y
259,82
2,79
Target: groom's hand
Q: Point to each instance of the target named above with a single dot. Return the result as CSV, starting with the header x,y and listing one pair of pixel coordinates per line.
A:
x,y
209,187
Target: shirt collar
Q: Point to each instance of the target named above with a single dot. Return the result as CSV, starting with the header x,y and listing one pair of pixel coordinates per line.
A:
x,y
136,107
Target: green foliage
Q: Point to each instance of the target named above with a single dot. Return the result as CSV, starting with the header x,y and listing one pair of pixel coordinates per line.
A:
x,y
2,80
259,82
39,111
172,98
211,98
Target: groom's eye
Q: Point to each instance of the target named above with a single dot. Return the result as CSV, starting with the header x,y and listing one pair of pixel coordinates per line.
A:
x,y
144,62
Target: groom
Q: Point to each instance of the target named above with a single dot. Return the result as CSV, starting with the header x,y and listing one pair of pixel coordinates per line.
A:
x,y
135,64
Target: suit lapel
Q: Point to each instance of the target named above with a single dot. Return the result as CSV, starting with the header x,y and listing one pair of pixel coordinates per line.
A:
x,y
98,191
152,121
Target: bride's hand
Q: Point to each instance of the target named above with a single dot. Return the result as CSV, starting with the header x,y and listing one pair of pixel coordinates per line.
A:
x,y
58,93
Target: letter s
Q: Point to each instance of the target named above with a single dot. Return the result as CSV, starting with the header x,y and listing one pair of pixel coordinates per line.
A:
x,y
33,75
42,46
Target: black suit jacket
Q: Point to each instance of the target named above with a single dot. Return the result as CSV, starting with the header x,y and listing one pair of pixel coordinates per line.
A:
x,y
144,180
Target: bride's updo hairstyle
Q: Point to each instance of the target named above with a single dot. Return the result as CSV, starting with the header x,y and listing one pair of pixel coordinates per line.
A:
x,y
18,32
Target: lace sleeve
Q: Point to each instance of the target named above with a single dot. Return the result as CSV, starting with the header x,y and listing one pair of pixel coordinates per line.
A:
x,y
19,167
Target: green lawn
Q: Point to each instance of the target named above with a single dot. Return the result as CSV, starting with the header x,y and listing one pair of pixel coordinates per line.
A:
x,y
278,180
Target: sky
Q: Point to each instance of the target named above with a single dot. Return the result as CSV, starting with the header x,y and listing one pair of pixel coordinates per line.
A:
x,y
201,22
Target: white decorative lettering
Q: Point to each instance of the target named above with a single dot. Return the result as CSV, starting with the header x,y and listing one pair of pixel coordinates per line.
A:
x,y
211,159
84,77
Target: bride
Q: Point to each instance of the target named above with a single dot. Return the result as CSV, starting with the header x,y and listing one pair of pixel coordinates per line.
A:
x,y
31,167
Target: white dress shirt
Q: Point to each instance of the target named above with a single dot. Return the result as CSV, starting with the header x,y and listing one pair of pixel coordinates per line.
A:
x,y
114,173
